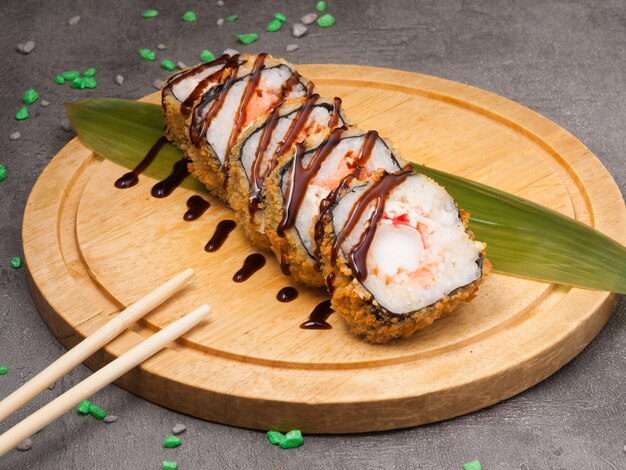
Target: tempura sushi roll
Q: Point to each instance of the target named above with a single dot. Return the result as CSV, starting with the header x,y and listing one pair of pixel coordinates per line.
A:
x,y
260,148
397,255
208,107
303,179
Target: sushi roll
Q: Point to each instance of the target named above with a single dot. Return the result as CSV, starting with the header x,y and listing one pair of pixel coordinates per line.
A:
x,y
306,176
260,148
397,254
207,107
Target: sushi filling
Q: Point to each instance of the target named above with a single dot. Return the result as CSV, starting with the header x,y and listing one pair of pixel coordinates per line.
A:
x,y
420,251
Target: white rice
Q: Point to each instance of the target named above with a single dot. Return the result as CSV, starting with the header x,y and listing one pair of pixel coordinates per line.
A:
x,y
183,88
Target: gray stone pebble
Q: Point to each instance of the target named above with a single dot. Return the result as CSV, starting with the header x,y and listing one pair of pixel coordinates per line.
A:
x,y
157,83
26,48
180,65
161,47
110,419
65,125
15,135
298,30
45,103
231,51
179,428
220,21
220,3
292,47
74,20
26,444
309,18
119,79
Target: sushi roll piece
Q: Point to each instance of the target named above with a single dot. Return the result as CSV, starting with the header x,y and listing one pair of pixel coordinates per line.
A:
x,y
295,189
260,148
209,106
397,254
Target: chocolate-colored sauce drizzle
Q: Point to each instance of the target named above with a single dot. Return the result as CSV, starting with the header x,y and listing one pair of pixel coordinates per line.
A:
x,y
318,317
131,178
287,294
330,283
221,234
168,185
196,206
252,264
285,268
377,192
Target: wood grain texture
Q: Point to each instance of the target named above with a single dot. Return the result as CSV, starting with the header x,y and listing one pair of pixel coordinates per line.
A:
x,y
91,249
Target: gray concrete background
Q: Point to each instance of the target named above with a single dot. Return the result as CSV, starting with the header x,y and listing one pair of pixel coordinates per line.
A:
x,y
563,59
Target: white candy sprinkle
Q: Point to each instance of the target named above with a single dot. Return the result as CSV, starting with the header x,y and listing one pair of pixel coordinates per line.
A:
x,y
220,21
298,30
27,48
119,80
110,419
45,103
157,83
292,47
161,47
180,65
220,3
65,125
178,428
26,444
309,18
15,136
74,20
231,51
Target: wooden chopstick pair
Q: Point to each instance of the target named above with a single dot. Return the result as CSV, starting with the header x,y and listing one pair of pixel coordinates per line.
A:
x,y
100,379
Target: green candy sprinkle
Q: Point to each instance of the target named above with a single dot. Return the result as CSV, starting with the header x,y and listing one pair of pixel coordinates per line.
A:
x,y
280,17
292,439
326,21
273,26
232,18
70,75
247,38
16,262
78,83
168,65
4,370
3,172
206,56
90,72
189,16
21,114
83,407
147,54
30,96
171,441
96,411
275,437
59,80
90,82
320,6
169,465
473,465
150,14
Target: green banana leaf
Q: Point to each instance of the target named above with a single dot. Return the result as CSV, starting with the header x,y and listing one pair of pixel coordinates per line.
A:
x,y
523,239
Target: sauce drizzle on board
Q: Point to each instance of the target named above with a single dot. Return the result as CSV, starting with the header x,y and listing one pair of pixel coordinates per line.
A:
x,y
252,264
223,229
318,317
287,294
131,178
196,206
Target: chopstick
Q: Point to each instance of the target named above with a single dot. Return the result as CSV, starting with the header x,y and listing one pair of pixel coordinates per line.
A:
x,y
99,379
91,344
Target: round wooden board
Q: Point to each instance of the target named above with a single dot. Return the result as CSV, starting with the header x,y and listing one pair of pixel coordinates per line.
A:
x,y
92,249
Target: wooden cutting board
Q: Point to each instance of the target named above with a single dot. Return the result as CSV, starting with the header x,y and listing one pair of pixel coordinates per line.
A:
x,y
91,249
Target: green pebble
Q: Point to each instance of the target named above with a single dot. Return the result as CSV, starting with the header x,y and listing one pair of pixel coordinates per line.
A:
x,y
4,370
90,82
206,56
232,18
326,21
168,65
247,38
473,465
189,16
273,26
147,54
169,465
275,437
21,114
90,72
280,17
16,262
30,96
78,83
70,75
320,6
292,439
83,407
3,172
150,14
59,80
171,441
96,411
